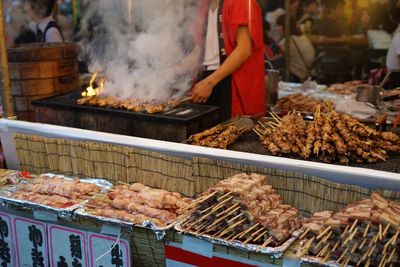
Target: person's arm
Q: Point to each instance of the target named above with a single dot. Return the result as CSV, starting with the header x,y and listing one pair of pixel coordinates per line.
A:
x,y
203,89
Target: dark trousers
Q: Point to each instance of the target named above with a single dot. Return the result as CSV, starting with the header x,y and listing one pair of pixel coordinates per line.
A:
x,y
221,96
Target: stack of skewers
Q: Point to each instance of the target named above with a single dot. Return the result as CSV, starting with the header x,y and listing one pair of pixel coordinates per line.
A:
x,y
221,135
131,104
56,192
242,209
329,138
302,103
365,233
137,204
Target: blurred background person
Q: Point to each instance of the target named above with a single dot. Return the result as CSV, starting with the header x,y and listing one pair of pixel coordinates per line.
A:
x,y
272,51
41,13
393,55
308,15
302,52
361,22
332,28
381,16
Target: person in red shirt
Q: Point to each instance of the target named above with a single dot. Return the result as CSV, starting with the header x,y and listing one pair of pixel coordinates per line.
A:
x,y
233,76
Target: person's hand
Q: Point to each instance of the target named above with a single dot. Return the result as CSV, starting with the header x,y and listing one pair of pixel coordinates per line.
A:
x,y
202,91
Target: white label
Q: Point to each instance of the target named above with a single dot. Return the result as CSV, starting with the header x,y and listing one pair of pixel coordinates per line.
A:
x,y
68,247
7,252
31,242
198,246
107,251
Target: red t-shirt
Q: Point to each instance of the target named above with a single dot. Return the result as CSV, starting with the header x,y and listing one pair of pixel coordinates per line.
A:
x,y
248,82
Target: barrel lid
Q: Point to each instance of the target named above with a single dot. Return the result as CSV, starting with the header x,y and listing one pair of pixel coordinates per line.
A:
x,y
42,52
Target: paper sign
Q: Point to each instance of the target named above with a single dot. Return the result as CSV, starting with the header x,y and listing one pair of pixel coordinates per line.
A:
x,y
31,242
107,251
7,253
197,246
68,247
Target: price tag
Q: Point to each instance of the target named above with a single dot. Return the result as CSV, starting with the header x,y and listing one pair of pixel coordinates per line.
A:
x,y
107,251
7,253
68,247
31,242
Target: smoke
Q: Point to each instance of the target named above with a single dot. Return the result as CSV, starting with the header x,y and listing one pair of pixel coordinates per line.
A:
x,y
142,53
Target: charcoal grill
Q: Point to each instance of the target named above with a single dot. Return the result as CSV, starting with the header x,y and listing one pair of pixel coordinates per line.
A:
x,y
174,125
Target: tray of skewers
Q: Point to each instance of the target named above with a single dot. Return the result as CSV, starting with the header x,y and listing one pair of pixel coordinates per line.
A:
x,y
365,233
223,134
304,104
243,212
330,138
136,205
55,193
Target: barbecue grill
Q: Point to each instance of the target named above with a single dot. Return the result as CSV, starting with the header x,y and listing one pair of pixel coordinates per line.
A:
x,y
173,125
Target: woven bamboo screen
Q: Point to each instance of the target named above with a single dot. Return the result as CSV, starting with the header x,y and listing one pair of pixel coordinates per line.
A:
x,y
187,176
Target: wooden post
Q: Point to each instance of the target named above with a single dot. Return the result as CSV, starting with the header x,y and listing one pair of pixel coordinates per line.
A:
x,y
287,39
8,108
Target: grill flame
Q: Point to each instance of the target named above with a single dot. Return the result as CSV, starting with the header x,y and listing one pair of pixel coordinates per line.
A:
x,y
91,91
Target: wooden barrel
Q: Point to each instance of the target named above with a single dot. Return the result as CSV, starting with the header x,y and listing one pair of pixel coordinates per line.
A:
x,y
41,70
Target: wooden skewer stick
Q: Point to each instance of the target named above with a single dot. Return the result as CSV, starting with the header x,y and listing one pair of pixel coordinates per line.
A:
x,y
307,247
248,230
325,259
276,117
228,210
262,125
366,230
345,231
335,246
323,240
235,218
123,183
253,235
346,262
224,196
395,237
386,229
380,232
391,255
322,252
363,243
231,227
324,232
368,263
256,132
267,242
224,217
354,248
371,251
383,260
261,235
353,226
343,254
351,236
305,233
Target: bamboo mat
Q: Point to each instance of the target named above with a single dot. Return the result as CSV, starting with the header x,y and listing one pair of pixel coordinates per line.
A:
x,y
187,176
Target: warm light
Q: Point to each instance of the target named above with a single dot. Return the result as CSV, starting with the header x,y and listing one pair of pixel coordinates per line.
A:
x,y
90,91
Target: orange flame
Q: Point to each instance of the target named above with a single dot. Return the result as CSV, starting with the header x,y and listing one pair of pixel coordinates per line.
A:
x,y
90,91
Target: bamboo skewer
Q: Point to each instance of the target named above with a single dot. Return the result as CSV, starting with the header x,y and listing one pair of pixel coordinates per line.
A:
x,y
261,235
231,228
253,235
366,230
305,233
324,232
248,230
267,242
342,255
307,247
228,210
